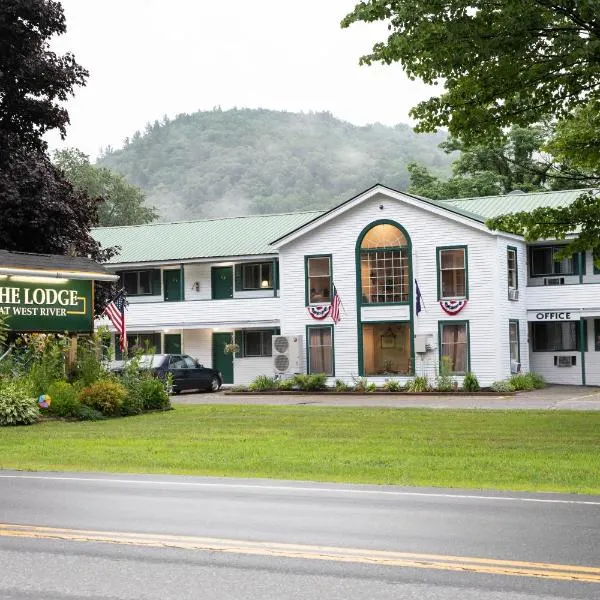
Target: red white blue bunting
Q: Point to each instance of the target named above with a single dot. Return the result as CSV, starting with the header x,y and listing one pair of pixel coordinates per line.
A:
x,y
319,312
452,307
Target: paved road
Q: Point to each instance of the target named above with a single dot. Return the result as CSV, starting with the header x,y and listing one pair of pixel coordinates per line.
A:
x,y
556,397
66,537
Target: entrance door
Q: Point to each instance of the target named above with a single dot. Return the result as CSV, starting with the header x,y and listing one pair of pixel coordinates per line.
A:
x,y
221,361
222,282
172,343
172,285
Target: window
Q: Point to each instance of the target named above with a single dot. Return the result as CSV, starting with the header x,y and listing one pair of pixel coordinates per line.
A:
x,y
386,348
544,261
320,349
148,343
318,279
511,268
137,283
257,343
452,276
257,276
384,265
454,343
513,341
555,336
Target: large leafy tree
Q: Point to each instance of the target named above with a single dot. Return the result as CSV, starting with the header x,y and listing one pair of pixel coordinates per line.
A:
x,y
40,211
504,63
122,203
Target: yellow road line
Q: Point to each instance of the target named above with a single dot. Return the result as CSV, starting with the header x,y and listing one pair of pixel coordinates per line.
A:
x,y
311,552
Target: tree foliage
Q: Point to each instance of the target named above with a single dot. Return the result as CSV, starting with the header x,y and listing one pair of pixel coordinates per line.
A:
x,y
122,203
39,210
503,63
516,162
218,163
34,81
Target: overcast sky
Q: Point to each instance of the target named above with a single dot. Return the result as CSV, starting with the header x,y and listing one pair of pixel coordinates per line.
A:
x,y
148,58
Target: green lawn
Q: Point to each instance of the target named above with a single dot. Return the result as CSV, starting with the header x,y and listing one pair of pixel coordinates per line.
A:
x,y
516,450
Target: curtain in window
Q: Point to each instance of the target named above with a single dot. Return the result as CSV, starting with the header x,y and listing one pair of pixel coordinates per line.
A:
x,y
320,350
454,345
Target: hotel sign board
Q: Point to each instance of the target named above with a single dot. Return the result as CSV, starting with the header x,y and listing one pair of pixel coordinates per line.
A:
x,y
48,307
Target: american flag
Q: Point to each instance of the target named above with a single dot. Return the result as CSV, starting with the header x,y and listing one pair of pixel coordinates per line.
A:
x,y
335,306
115,311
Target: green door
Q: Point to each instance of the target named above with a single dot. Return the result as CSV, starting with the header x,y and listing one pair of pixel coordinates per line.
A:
x,y
221,361
172,285
172,343
222,282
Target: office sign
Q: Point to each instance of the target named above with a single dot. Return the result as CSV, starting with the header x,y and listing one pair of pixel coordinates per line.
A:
x,y
55,306
553,315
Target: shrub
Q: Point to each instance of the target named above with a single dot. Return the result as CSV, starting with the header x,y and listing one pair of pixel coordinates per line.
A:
x,y
470,382
154,396
87,413
263,383
521,381
285,385
418,384
360,384
45,355
64,400
502,386
133,403
371,387
537,380
392,385
311,383
89,367
104,396
341,386
17,407
444,381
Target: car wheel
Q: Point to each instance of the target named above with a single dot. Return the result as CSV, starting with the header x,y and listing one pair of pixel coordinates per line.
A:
x,y
215,384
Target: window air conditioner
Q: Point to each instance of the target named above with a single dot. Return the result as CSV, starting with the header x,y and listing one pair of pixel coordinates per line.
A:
x,y
564,361
515,366
513,294
554,281
287,354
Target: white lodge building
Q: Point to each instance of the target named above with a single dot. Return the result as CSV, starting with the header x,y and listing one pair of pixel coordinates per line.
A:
x,y
490,302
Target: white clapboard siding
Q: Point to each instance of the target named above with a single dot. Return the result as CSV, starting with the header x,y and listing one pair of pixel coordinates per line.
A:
x,y
247,369
198,343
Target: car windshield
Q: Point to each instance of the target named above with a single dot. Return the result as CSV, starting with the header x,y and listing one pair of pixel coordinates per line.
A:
x,y
151,361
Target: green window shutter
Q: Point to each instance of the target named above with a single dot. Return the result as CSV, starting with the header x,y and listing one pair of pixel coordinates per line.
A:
x,y
276,273
156,342
118,353
277,331
120,283
156,284
239,340
582,263
238,277
585,336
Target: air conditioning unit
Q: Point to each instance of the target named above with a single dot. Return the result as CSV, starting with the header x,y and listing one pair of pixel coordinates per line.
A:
x,y
564,361
287,354
554,281
515,366
513,294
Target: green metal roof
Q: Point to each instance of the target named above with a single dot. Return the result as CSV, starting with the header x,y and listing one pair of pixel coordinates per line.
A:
x,y
487,207
232,236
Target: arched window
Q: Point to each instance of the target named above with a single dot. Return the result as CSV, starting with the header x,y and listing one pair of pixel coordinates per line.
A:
x,y
384,265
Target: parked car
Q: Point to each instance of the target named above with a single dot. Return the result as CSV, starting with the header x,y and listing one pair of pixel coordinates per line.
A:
x,y
188,373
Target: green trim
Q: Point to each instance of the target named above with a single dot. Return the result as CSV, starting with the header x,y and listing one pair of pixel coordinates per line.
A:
x,y
582,346
441,323
516,251
439,272
387,322
510,322
580,266
260,263
275,277
359,303
306,294
308,328
153,274
182,283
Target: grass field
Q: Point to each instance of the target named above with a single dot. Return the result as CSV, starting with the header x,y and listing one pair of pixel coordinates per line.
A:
x,y
516,450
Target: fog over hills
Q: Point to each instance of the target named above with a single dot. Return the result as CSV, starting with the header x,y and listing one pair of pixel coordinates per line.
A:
x,y
245,161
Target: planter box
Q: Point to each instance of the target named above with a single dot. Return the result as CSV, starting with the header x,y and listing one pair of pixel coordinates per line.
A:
x,y
377,393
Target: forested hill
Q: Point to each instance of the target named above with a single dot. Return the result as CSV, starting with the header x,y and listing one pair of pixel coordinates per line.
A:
x,y
220,163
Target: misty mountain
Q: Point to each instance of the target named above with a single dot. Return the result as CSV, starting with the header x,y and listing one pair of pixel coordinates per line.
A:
x,y
243,161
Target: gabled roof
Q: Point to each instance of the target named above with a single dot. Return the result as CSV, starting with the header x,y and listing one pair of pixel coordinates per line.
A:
x,y
52,265
208,238
494,206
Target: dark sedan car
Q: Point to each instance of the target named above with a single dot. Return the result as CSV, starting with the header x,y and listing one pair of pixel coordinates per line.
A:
x,y
187,373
